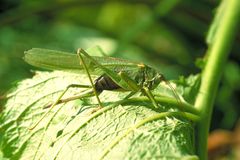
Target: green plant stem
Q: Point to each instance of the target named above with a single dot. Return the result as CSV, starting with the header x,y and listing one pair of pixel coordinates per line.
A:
x,y
218,53
186,107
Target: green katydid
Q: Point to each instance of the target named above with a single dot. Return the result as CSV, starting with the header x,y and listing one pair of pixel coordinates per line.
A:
x,y
114,74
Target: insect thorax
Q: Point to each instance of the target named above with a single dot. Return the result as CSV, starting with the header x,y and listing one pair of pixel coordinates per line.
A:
x,y
144,77
148,77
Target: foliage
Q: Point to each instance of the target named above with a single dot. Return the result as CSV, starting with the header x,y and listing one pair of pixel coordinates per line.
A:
x,y
159,33
72,130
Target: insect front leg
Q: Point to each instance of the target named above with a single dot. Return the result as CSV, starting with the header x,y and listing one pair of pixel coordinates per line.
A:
x,y
149,94
132,85
135,87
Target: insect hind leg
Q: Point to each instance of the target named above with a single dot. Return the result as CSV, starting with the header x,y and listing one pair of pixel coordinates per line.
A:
x,y
57,102
88,94
89,76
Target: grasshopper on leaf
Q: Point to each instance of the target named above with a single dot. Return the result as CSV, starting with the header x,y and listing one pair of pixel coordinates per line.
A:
x,y
115,74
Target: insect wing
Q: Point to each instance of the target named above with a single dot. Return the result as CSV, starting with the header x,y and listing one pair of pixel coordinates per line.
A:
x,y
58,60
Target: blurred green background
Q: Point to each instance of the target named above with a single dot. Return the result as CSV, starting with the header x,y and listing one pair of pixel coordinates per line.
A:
x,y
167,34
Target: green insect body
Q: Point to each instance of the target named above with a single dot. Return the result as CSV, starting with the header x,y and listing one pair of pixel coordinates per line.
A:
x,y
114,73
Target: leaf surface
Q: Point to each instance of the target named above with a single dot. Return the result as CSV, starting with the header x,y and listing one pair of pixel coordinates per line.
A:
x,y
73,131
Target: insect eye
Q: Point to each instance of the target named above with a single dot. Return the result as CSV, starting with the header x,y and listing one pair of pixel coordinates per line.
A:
x,y
157,80
162,78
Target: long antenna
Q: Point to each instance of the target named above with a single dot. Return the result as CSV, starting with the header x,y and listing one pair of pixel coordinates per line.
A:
x,y
176,95
173,90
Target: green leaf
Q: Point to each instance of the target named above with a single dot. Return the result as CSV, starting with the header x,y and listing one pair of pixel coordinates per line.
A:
x,y
190,87
220,11
129,130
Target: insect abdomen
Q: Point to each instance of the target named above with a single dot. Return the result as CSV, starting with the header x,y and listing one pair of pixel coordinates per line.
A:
x,y
104,82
